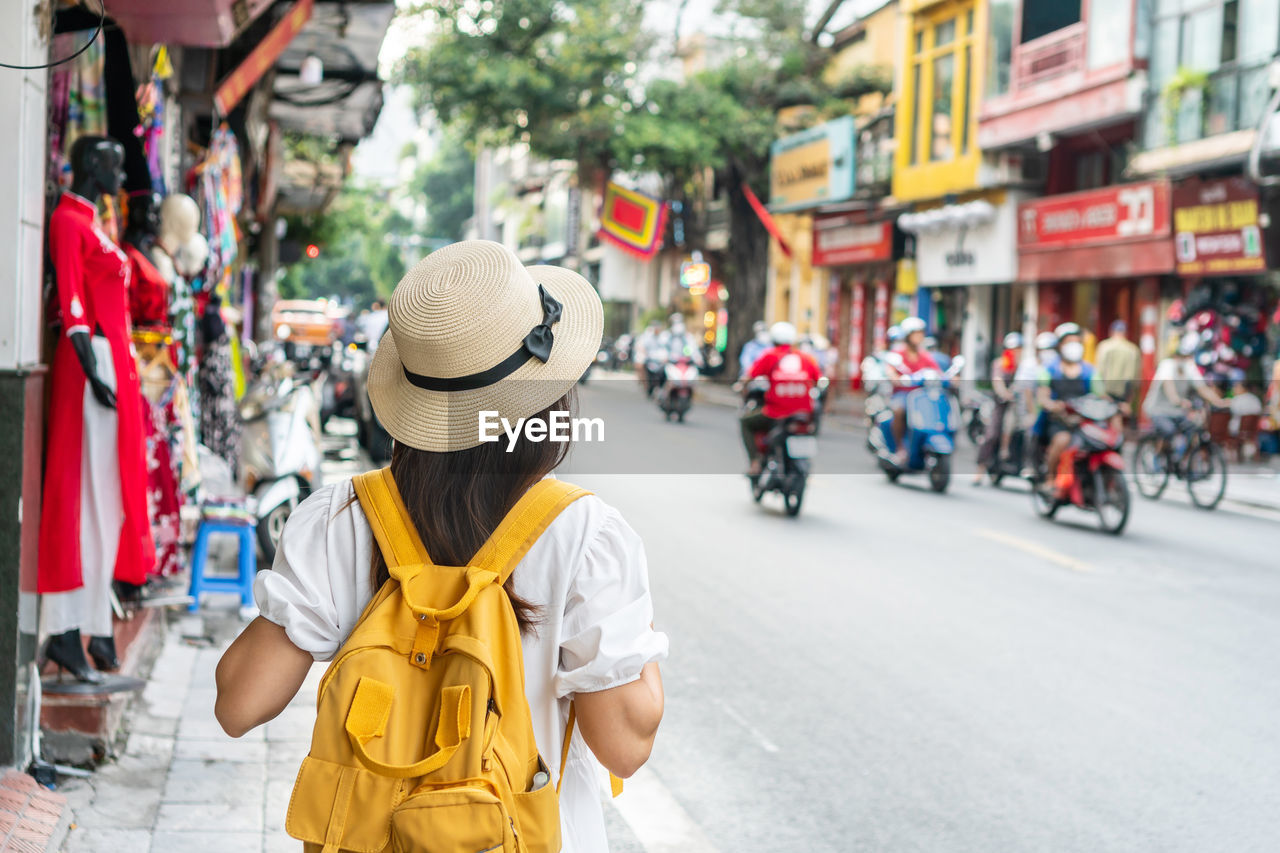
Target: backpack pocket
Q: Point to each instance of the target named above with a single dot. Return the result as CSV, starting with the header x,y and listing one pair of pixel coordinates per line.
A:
x,y
348,805
452,820
538,816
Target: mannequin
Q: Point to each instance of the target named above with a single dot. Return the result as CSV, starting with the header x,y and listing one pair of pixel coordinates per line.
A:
x,y
94,523
179,230
148,289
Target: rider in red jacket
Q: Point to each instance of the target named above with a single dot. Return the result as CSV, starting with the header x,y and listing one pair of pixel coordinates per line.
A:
x,y
792,376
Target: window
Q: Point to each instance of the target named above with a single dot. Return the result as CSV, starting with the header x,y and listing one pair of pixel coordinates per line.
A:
x,y
1109,27
999,47
942,81
1041,17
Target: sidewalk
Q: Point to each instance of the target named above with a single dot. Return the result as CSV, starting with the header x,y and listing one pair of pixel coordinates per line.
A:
x,y
180,783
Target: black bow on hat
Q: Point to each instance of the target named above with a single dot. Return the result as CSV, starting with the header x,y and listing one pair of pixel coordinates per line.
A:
x,y
539,340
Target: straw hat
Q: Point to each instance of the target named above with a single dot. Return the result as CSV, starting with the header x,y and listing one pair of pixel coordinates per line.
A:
x,y
470,330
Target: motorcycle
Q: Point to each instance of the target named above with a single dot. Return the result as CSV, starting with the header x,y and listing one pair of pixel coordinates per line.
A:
x,y
280,451
978,409
819,394
676,395
655,373
1090,472
786,451
932,423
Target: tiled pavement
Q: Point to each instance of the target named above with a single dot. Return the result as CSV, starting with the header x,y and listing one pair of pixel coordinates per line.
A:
x,y
180,783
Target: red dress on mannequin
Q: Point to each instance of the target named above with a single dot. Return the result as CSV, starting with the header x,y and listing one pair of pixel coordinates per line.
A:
x,y
93,279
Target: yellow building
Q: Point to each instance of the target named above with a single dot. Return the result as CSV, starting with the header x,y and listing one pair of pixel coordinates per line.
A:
x,y
798,292
937,113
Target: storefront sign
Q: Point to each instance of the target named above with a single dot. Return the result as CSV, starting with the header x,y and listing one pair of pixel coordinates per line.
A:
x,y
1113,232
843,239
957,246
262,57
813,167
1216,227
1108,215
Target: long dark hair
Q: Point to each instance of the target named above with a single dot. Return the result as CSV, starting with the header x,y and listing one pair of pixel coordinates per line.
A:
x,y
456,500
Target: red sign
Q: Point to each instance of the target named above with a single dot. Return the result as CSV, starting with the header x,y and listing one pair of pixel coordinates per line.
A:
x,y
842,239
1216,227
1110,215
261,58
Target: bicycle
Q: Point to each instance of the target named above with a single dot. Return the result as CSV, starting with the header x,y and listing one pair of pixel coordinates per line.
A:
x,y
1190,454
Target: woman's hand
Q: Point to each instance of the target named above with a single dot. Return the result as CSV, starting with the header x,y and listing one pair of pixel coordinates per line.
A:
x,y
621,723
259,675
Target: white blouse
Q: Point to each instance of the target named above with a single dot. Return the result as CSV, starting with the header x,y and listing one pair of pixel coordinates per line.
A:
x,y
586,573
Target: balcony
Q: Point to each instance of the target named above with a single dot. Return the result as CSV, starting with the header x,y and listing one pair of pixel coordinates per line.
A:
x,y
1232,98
1060,52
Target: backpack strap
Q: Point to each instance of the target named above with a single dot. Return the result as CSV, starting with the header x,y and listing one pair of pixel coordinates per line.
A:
x,y
615,784
526,521
385,510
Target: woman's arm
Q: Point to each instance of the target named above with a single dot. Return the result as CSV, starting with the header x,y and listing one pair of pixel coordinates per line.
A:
x,y
259,675
620,724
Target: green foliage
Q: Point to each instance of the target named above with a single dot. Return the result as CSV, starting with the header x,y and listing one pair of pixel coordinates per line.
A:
x,y
360,237
447,186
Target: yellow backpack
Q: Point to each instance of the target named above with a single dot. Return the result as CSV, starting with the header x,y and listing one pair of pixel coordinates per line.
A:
x,y
423,740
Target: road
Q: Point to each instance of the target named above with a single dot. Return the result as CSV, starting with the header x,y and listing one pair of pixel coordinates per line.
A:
x,y
897,670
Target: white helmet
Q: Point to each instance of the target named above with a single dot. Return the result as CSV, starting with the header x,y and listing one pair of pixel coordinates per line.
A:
x,y
911,325
783,334
1046,340
1013,340
1189,343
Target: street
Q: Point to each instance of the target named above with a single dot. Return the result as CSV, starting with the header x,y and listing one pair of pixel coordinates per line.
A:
x,y
898,670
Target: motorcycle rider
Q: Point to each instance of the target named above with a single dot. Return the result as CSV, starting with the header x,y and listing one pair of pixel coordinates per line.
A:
x,y
1176,381
1004,369
754,348
792,375
678,342
913,357
1069,378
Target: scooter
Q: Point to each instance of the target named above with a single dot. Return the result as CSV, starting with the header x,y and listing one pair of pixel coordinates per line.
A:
x,y
280,450
676,395
655,373
786,451
932,423
1090,471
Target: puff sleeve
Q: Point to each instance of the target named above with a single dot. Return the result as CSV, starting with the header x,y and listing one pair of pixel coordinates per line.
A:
x,y
606,638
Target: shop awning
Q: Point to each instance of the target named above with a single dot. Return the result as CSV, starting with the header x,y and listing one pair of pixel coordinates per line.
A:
x,y
193,23
342,42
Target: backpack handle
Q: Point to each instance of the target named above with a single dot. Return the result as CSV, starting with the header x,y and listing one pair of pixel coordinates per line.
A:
x,y
477,579
367,719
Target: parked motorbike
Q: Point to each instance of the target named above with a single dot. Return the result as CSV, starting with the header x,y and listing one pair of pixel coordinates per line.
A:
x,y
977,412
1090,472
787,451
676,395
280,450
932,423
338,396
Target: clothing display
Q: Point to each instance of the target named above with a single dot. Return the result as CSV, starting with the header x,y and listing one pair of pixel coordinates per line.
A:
x,y
92,280
161,426
219,417
148,292
77,98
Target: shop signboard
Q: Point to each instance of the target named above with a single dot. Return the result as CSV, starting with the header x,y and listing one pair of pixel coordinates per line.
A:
x,y
813,167
1216,228
844,239
967,244
1108,215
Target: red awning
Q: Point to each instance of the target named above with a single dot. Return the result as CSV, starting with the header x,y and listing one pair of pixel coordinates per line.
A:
x,y
194,23
1117,260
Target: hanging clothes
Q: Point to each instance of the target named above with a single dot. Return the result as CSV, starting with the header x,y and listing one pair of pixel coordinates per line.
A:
x,y
148,292
77,98
92,282
219,416
156,373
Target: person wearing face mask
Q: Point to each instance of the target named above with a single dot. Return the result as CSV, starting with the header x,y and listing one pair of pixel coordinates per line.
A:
x,y
912,358
760,342
1071,377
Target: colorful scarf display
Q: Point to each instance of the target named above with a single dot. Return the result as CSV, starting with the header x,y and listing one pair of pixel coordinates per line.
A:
x,y
632,221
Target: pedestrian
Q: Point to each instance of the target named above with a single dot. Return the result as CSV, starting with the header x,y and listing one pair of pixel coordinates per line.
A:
x,y
1119,365
580,593
996,440
373,324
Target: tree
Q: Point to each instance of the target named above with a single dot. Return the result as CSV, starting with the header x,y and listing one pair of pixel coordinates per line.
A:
x,y
447,183
565,77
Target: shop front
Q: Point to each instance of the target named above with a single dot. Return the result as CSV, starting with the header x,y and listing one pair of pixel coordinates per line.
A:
x,y
858,251
1224,240
1098,256
966,265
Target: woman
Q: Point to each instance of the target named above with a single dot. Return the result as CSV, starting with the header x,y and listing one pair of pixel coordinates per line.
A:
x,y
471,332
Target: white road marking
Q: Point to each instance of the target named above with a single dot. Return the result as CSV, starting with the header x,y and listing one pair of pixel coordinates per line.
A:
x,y
1036,550
659,822
732,713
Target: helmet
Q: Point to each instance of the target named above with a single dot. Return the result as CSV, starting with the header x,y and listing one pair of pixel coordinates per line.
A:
x,y
783,334
911,325
1013,340
759,326
1189,343
1046,340
894,334
1066,330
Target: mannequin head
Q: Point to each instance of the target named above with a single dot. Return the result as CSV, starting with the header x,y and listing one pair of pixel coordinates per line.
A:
x,y
179,221
97,166
144,219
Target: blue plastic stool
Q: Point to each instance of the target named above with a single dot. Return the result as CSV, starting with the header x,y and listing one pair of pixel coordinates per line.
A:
x,y
248,562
